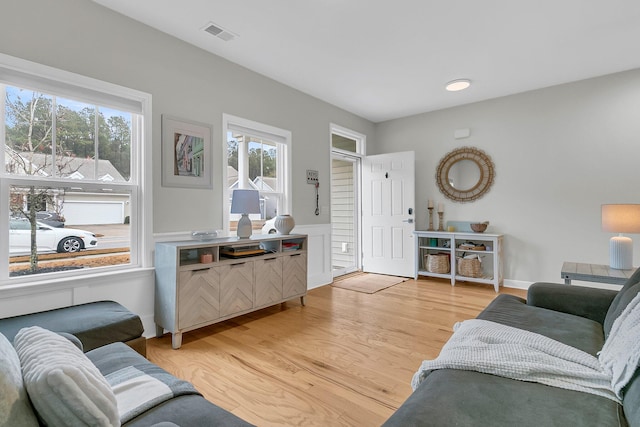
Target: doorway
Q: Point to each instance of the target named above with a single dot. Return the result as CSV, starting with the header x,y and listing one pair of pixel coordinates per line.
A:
x,y
347,149
345,214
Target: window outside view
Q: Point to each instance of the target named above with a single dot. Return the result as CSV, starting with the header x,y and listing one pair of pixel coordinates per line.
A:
x,y
68,164
255,163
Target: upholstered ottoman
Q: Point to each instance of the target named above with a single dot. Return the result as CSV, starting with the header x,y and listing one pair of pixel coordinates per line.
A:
x,y
95,324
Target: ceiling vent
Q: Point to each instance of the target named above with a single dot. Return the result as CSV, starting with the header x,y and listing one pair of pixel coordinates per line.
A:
x,y
219,32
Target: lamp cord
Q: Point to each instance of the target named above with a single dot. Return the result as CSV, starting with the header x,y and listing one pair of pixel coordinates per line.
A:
x,y
317,199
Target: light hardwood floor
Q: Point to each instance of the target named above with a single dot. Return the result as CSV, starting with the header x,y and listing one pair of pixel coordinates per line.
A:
x,y
344,359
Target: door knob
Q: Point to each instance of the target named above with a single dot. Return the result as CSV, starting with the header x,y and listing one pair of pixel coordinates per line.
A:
x,y
410,220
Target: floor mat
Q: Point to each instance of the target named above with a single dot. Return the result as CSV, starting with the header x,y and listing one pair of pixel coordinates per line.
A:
x,y
368,283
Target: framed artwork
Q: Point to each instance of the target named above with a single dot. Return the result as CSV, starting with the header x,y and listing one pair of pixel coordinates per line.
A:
x,y
186,153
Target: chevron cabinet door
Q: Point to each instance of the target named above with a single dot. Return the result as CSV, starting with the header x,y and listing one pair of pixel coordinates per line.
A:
x,y
204,281
268,281
198,297
294,271
236,287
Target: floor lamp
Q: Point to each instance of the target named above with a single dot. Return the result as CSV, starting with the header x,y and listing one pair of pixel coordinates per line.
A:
x,y
245,202
621,219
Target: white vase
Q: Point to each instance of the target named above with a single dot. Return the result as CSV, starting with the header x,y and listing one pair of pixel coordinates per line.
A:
x,y
284,224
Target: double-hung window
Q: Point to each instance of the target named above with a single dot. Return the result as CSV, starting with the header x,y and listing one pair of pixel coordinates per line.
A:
x,y
72,181
258,159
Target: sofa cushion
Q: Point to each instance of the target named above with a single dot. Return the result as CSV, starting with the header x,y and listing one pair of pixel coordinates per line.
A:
x,y
449,397
578,332
64,386
94,324
15,408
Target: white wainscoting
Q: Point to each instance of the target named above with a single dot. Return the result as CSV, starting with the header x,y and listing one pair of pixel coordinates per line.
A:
x,y
318,253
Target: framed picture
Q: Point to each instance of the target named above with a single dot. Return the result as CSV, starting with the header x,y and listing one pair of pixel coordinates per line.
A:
x,y
186,153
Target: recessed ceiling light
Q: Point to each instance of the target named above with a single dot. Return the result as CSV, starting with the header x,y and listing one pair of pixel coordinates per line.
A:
x,y
456,85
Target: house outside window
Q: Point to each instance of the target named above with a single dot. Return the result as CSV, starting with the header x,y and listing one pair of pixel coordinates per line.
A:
x,y
257,159
71,181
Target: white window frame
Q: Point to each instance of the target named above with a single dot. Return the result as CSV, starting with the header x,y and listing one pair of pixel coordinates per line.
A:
x,y
270,133
26,74
361,140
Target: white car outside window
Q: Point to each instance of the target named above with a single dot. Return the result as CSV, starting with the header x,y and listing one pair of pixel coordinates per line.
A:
x,y
48,238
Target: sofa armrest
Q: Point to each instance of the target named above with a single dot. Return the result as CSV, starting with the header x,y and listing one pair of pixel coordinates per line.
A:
x,y
591,303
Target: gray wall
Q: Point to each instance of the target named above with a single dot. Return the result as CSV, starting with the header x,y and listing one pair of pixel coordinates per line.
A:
x,y
559,152
85,38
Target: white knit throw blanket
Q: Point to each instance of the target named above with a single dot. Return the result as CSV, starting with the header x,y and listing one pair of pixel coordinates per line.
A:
x,y
493,348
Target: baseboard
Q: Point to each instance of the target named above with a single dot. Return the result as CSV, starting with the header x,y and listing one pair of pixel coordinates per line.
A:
x,y
516,284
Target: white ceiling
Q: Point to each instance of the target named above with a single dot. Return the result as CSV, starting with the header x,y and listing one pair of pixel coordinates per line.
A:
x,y
383,59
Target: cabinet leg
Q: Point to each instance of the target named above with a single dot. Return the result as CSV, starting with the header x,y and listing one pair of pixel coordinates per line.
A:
x,y
302,300
159,331
176,340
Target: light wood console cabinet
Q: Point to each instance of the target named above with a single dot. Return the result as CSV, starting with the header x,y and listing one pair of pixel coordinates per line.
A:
x,y
455,246
199,283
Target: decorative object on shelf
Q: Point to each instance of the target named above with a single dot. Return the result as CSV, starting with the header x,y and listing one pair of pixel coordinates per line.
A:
x,y
465,174
245,202
430,207
284,224
204,235
621,218
438,263
186,153
440,217
471,246
206,258
479,227
470,266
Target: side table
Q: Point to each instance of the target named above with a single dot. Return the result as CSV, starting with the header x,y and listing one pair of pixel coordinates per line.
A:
x,y
594,273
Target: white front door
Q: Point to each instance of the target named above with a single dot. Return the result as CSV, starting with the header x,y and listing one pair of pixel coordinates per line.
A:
x,y
388,211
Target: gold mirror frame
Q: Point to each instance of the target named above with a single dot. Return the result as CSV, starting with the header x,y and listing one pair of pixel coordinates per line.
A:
x,y
487,174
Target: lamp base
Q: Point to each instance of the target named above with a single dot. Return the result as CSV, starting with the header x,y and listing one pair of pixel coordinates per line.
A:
x,y
244,227
621,252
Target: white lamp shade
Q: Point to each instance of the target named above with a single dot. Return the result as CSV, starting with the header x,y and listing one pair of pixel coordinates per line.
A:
x,y
621,218
245,202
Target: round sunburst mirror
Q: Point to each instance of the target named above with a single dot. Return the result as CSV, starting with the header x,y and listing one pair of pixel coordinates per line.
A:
x,y
465,174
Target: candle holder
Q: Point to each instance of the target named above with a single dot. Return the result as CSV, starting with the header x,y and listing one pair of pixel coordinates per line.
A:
x,y
440,221
430,220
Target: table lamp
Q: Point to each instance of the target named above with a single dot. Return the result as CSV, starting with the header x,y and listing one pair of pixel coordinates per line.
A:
x,y
621,219
245,202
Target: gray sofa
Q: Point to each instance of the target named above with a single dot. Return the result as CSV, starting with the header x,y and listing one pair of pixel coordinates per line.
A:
x,y
577,316
111,337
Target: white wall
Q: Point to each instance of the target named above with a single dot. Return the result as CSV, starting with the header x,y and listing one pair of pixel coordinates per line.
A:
x,y
559,153
85,38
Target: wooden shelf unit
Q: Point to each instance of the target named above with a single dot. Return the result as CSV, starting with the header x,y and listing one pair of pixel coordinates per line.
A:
x,y
191,294
432,242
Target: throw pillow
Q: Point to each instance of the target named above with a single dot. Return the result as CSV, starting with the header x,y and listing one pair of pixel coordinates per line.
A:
x,y
64,386
15,408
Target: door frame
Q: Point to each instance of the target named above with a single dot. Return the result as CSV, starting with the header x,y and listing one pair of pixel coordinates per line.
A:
x,y
361,147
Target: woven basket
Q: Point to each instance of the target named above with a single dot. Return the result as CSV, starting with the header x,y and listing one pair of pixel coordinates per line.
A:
x,y
469,267
438,263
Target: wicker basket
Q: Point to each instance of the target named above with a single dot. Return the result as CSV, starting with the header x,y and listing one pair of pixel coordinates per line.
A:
x,y
437,263
469,267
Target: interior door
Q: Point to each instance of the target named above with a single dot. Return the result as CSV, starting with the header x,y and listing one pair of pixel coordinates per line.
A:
x,y
388,211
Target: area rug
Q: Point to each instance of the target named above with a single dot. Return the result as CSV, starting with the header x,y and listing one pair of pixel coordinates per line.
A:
x,y
367,283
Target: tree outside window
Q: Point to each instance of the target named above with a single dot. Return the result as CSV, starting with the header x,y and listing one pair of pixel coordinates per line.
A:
x,y
52,138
